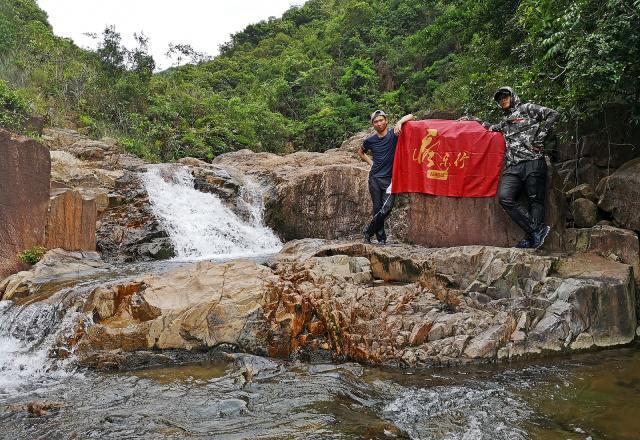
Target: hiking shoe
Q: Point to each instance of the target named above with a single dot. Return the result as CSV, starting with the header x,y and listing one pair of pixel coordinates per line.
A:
x,y
525,243
365,235
382,242
539,236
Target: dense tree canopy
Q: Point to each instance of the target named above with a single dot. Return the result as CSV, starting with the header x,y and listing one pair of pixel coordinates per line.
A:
x,y
311,77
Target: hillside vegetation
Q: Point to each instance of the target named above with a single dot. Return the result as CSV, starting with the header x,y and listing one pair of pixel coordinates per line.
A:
x,y
310,78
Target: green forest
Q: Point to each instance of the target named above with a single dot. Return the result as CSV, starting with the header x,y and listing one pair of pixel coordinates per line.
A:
x,y
310,78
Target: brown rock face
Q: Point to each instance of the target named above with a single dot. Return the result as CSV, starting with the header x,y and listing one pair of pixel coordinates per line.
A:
x,y
610,242
72,222
218,304
330,202
619,194
25,170
126,229
394,305
585,213
454,221
320,195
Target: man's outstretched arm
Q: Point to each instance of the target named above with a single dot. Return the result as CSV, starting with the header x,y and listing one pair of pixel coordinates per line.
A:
x,y
488,126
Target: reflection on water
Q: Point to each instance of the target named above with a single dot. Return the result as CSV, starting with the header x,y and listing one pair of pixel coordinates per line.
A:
x,y
593,396
200,371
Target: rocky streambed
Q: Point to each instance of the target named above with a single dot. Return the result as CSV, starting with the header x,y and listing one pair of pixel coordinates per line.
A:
x,y
325,338
169,353
398,305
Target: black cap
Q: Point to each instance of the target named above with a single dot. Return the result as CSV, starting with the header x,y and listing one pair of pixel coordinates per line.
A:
x,y
502,91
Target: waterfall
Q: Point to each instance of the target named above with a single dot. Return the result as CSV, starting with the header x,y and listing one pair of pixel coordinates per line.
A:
x,y
27,335
199,224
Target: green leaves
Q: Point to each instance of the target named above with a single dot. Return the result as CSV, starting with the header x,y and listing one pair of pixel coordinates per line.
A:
x,y
32,255
14,110
311,77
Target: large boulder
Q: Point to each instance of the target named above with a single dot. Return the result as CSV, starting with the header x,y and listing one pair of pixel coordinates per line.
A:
x,y
321,195
455,221
328,202
198,307
394,305
619,194
614,243
25,170
584,212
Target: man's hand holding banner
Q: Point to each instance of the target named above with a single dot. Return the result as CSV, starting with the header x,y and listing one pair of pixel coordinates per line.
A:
x,y
448,158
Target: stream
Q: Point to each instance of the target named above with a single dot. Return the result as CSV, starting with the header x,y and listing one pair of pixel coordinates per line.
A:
x,y
591,396
215,395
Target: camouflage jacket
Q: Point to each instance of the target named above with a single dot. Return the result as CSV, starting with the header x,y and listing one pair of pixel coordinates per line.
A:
x,y
525,127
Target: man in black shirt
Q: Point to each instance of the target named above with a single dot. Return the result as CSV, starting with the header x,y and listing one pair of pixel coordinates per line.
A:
x,y
383,148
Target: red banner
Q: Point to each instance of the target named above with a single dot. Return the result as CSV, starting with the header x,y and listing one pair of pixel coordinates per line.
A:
x,y
448,158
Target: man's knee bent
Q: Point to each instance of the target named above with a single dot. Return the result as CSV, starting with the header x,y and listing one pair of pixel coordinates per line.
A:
x,y
507,200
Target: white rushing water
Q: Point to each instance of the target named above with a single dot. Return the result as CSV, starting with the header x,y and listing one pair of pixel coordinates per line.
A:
x,y
27,334
199,224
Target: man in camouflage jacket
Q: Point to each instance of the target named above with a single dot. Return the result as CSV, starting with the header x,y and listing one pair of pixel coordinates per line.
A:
x,y
525,127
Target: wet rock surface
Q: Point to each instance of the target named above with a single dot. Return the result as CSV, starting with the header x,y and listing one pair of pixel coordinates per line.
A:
x,y
213,179
99,171
129,231
396,305
55,268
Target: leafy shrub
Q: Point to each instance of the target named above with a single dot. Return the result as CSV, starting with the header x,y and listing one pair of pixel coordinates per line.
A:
x,y
33,255
90,126
14,110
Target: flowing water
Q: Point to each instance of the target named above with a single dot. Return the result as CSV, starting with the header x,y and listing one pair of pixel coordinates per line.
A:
x,y
199,224
591,396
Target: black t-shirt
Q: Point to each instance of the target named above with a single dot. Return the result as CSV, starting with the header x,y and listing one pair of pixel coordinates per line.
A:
x,y
383,149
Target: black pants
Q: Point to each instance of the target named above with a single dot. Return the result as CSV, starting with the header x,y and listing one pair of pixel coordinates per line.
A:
x,y
530,175
382,205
